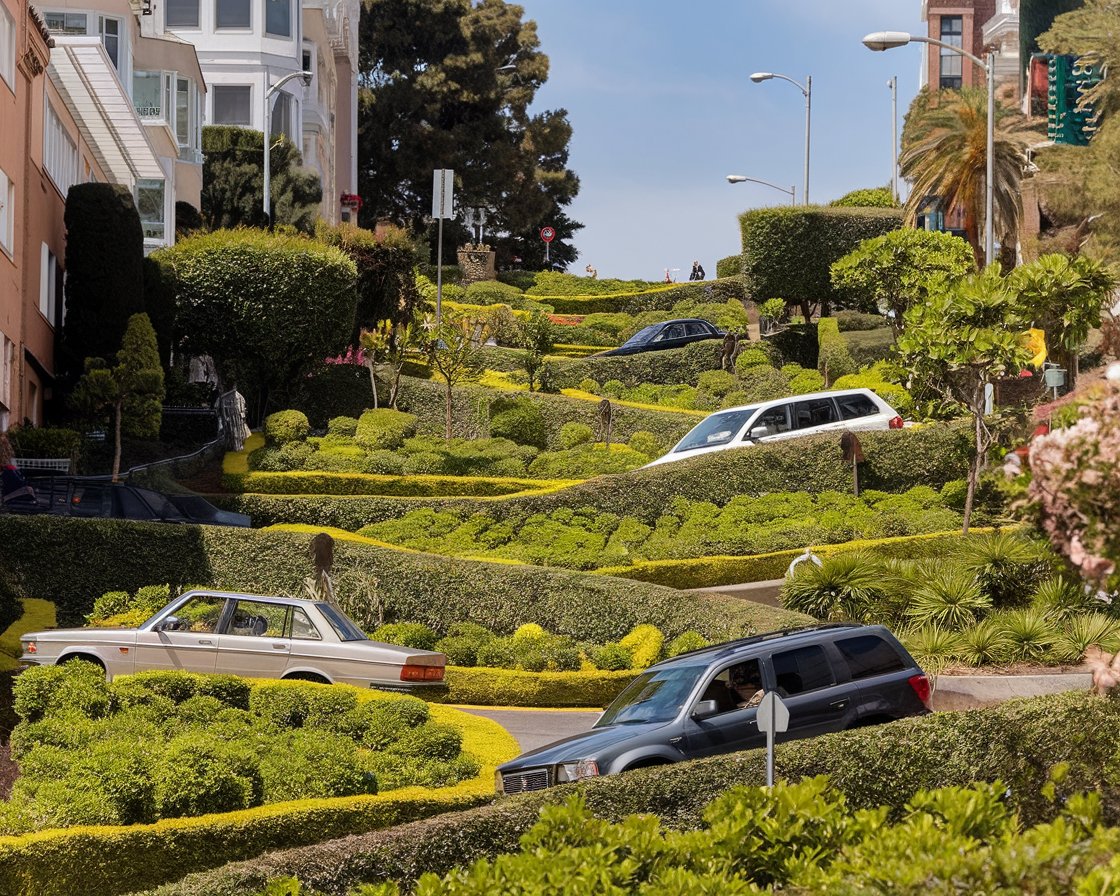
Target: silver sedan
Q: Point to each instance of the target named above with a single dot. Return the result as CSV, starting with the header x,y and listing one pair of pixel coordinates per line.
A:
x,y
244,634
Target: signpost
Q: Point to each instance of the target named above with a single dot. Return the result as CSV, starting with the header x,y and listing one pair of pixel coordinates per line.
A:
x,y
443,206
773,718
548,234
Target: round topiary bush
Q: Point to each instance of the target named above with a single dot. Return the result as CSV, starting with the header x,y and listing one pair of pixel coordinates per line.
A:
x,y
751,357
342,426
384,429
520,421
286,426
589,385
406,634
716,382
575,434
644,443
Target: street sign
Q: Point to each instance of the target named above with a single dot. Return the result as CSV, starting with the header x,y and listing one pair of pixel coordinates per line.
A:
x,y
773,718
548,234
443,193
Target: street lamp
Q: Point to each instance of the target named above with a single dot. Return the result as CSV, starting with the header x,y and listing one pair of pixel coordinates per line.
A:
x,y
892,85
739,178
807,90
267,126
888,40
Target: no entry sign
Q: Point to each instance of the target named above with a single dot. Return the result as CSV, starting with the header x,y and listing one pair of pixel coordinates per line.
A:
x,y
548,234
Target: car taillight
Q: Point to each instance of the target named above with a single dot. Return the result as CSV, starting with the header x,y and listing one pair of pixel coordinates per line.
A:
x,y
30,647
920,684
421,673
895,423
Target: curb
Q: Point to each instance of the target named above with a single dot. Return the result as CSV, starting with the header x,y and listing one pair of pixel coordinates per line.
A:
x,y
956,692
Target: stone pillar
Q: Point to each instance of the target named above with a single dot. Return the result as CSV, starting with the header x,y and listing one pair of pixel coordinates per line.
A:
x,y
477,264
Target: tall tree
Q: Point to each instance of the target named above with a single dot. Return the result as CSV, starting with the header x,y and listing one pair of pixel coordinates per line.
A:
x,y
944,154
432,96
130,391
233,180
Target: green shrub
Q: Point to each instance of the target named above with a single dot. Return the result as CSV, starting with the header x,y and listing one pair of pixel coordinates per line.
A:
x,y
751,357
644,443
74,686
644,643
730,266
586,461
139,606
802,381
761,383
407,634
384,722
834,360
684,643
44,441
519,420
873,378
853,321
572,435
868,197
346,427
310,764
716,382
384,429
612,657
282,703
286,426
197,775
462,643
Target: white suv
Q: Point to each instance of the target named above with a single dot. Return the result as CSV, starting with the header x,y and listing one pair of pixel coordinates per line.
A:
x,y
785,418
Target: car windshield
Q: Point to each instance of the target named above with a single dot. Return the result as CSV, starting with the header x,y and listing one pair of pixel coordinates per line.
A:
x,y
342,624
643,335
718,429
654,696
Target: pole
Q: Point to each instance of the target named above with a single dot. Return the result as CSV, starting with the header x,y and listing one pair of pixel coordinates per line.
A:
x,y
439,273
893,84
770,751
266,126
808,106
989,187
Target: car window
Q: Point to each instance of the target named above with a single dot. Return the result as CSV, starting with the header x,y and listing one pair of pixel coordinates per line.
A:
x,y
718,429
654,696
643,335
696,328
200,614
89,500
736,687
258,619
673,331
773,421
161,504
303,629
853,406
343,626
801,670
869,655
814,412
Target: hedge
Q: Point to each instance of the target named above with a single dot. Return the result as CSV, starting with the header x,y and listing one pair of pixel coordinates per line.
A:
x,y
731,266
480,686
667,368
111,860
712,572
418,486
896,460
868,346
833,359
789,251
91,557
659,298
1017,743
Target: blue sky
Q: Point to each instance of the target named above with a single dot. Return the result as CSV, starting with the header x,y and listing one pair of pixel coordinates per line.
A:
x,y
662,106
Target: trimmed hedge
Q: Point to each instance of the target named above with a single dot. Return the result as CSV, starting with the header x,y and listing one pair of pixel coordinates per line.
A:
x,y
712,572
418,486
1017,743
789,251
669,367
896,460
731,266
111,860
96,556
659,298
480,686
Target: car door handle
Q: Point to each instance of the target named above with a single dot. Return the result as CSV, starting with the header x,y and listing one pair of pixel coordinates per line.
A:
x,y
206,641
279,646
839,704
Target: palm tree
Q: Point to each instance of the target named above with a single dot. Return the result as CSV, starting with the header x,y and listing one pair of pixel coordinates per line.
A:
x,y
944,154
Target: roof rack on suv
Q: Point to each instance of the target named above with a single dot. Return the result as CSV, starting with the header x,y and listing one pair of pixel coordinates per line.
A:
x,y
730,646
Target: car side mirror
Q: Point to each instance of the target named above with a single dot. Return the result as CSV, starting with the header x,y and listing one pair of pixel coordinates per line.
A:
x,y
705,708
757,432
170,624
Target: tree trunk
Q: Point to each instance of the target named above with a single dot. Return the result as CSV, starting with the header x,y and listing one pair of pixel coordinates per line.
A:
x,y
373,383
118,410
395,387
447,409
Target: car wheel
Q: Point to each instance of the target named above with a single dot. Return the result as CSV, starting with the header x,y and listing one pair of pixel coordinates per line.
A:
x,y
646,763
306,676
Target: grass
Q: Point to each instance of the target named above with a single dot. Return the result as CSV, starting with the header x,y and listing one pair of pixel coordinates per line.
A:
x,y
37,615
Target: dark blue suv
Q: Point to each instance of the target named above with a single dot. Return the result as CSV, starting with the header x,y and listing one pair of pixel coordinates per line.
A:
x,y
831,677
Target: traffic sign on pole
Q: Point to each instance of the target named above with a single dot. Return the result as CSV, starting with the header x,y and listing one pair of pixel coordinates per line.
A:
x,y
443,193
773,718
548,234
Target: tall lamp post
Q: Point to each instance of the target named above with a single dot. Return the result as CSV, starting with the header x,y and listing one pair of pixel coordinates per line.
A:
x,y
807,90
888,40
267,127
739,178
893,85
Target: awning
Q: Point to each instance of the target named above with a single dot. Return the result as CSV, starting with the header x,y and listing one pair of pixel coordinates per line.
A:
x,y
87,80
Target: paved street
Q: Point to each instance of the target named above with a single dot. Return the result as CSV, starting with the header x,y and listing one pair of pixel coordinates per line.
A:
x,y
536,727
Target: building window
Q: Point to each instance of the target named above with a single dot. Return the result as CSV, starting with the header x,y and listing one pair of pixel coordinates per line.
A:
x,y
7,48
7,375
147,94
7,213
232,14
232,104
150,205
182,13
278,17
307,60
65,22
282,115
49,287
108,29
952,64
60,155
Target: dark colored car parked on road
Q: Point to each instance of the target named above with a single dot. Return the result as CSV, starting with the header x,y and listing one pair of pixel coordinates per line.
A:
x,y
670,334
831,677
92,497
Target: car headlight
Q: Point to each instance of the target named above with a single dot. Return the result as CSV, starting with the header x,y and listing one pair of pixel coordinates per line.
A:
x,y
574,771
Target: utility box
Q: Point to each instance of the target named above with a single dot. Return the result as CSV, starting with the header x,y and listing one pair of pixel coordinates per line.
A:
x,y
1054,377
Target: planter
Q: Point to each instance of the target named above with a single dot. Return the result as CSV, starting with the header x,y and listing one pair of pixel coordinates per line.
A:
x,y
477,265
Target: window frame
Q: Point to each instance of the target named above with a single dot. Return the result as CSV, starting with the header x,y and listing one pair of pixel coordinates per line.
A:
x,y
950,65
223,89
818,683
7,214
195,26
277,4
248,9
7,49
149,184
